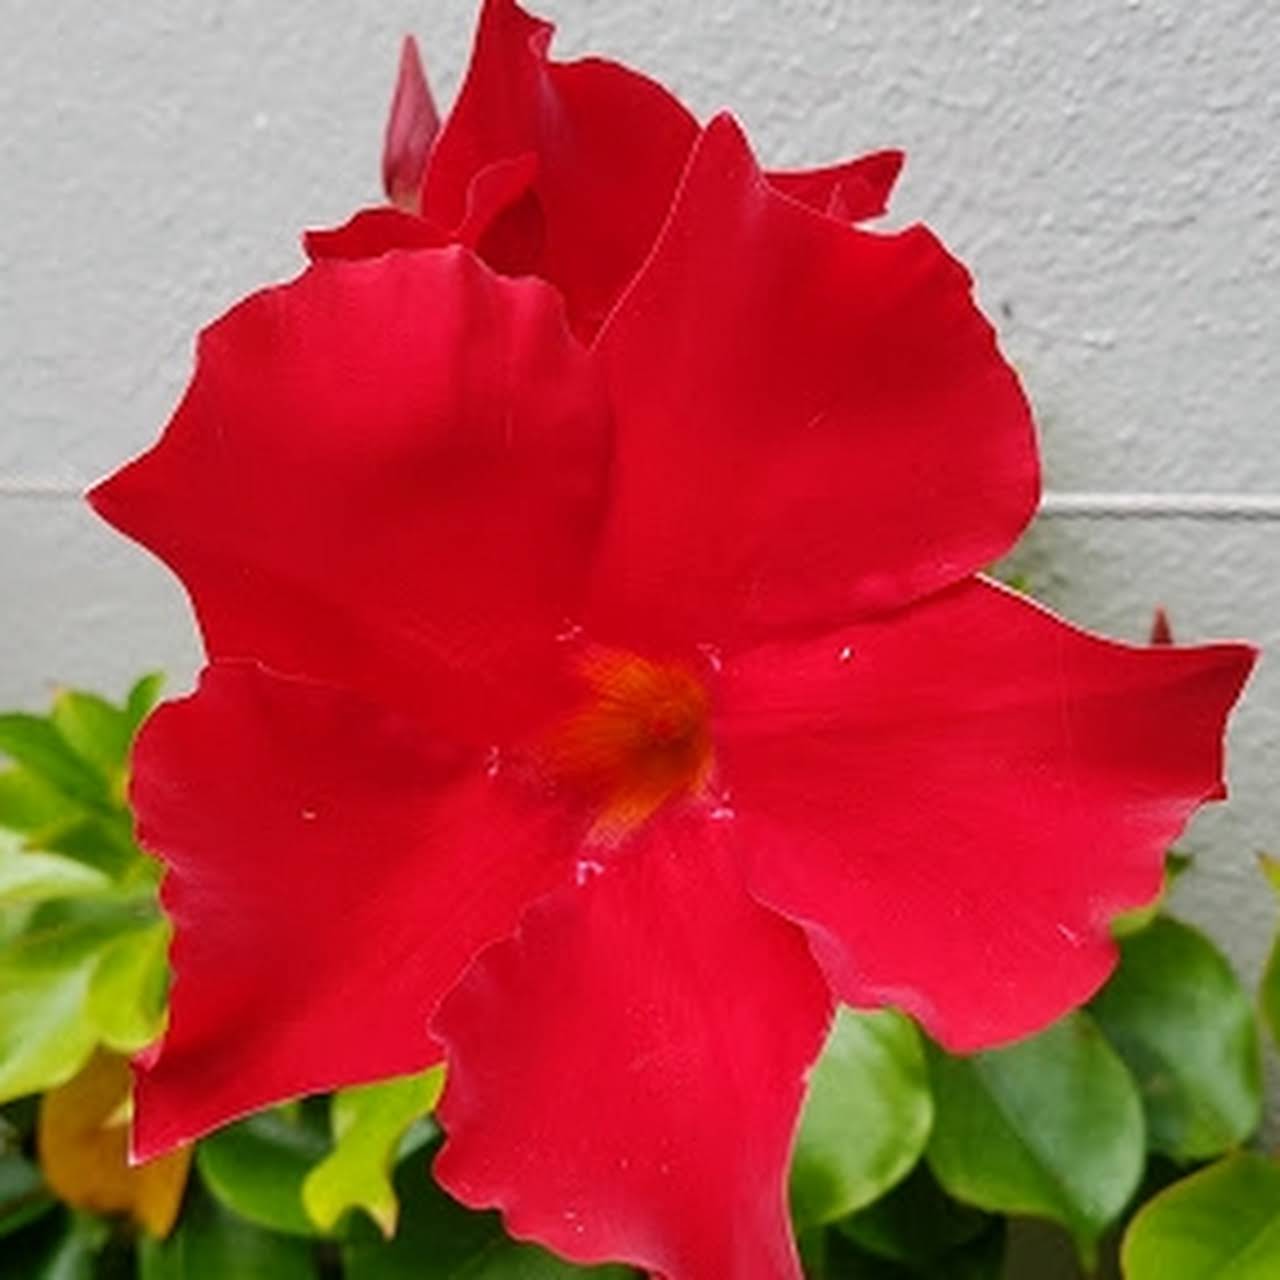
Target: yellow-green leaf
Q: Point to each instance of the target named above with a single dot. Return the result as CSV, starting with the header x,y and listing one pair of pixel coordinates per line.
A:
x,y
1222,1223
45,1035
368,1123
127,991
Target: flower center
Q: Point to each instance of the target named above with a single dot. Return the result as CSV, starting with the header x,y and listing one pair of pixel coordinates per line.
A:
x,y
640,739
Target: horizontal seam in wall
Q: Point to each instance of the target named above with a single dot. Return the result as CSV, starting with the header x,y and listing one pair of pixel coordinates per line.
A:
x,y
1080,505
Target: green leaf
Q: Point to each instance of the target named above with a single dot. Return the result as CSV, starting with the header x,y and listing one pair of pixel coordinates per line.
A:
x,y
27,802
440,1240
257,1167
1222,1223
23,1195
979,1259
1178,1016
27,875
59,1247
45,1032
128,988
210,1244
1051,1126
141,699
1269,992
34,743
102,841
917,1224
1131,922
368,1123
97,731
866,1119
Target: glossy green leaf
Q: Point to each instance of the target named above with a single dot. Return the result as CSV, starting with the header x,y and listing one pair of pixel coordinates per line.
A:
x,y
45,1032
28,803
211,1244
257,1167
1222,1223
440,1240
1178,1016
368,1123
34,743
126,1000
95,729
1269,992
28,875
866,1119
1051,1127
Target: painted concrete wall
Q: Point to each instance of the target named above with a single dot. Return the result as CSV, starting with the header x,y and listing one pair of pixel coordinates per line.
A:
x,y
1110,168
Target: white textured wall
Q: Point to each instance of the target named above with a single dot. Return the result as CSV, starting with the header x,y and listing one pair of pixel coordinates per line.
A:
x,y
1110,168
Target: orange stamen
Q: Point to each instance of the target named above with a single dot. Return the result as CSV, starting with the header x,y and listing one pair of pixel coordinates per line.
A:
x,y
641,739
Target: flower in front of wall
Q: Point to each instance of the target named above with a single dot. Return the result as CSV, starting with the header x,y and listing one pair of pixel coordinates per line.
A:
x,y
594,718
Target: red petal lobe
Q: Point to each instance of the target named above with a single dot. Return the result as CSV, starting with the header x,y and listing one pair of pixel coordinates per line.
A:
x,y
814,422
956,801
388,476
331,872
625,1075
850,192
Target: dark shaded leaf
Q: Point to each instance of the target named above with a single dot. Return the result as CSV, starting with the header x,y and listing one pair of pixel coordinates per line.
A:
x,y
211,1244
257,1167
440,1240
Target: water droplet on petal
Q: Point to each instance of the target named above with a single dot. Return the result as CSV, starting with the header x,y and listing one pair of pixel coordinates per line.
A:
x,y
586,868
846,654
570,632
712,655
493,762
723,810
307,815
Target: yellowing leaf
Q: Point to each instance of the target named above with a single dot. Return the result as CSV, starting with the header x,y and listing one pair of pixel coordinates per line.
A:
x,y
368,1123
82,1138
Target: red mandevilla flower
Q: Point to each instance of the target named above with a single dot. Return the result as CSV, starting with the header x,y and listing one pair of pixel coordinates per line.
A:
x,y
594,717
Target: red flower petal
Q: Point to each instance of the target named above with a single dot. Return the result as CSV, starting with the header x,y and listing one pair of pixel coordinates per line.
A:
x,y
956,800
610,146
331,872
386,475
494,192
371,233
851,192
411,129
813,422
626,1074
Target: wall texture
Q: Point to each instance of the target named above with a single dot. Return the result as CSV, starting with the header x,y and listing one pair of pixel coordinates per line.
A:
x,y
1110,168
